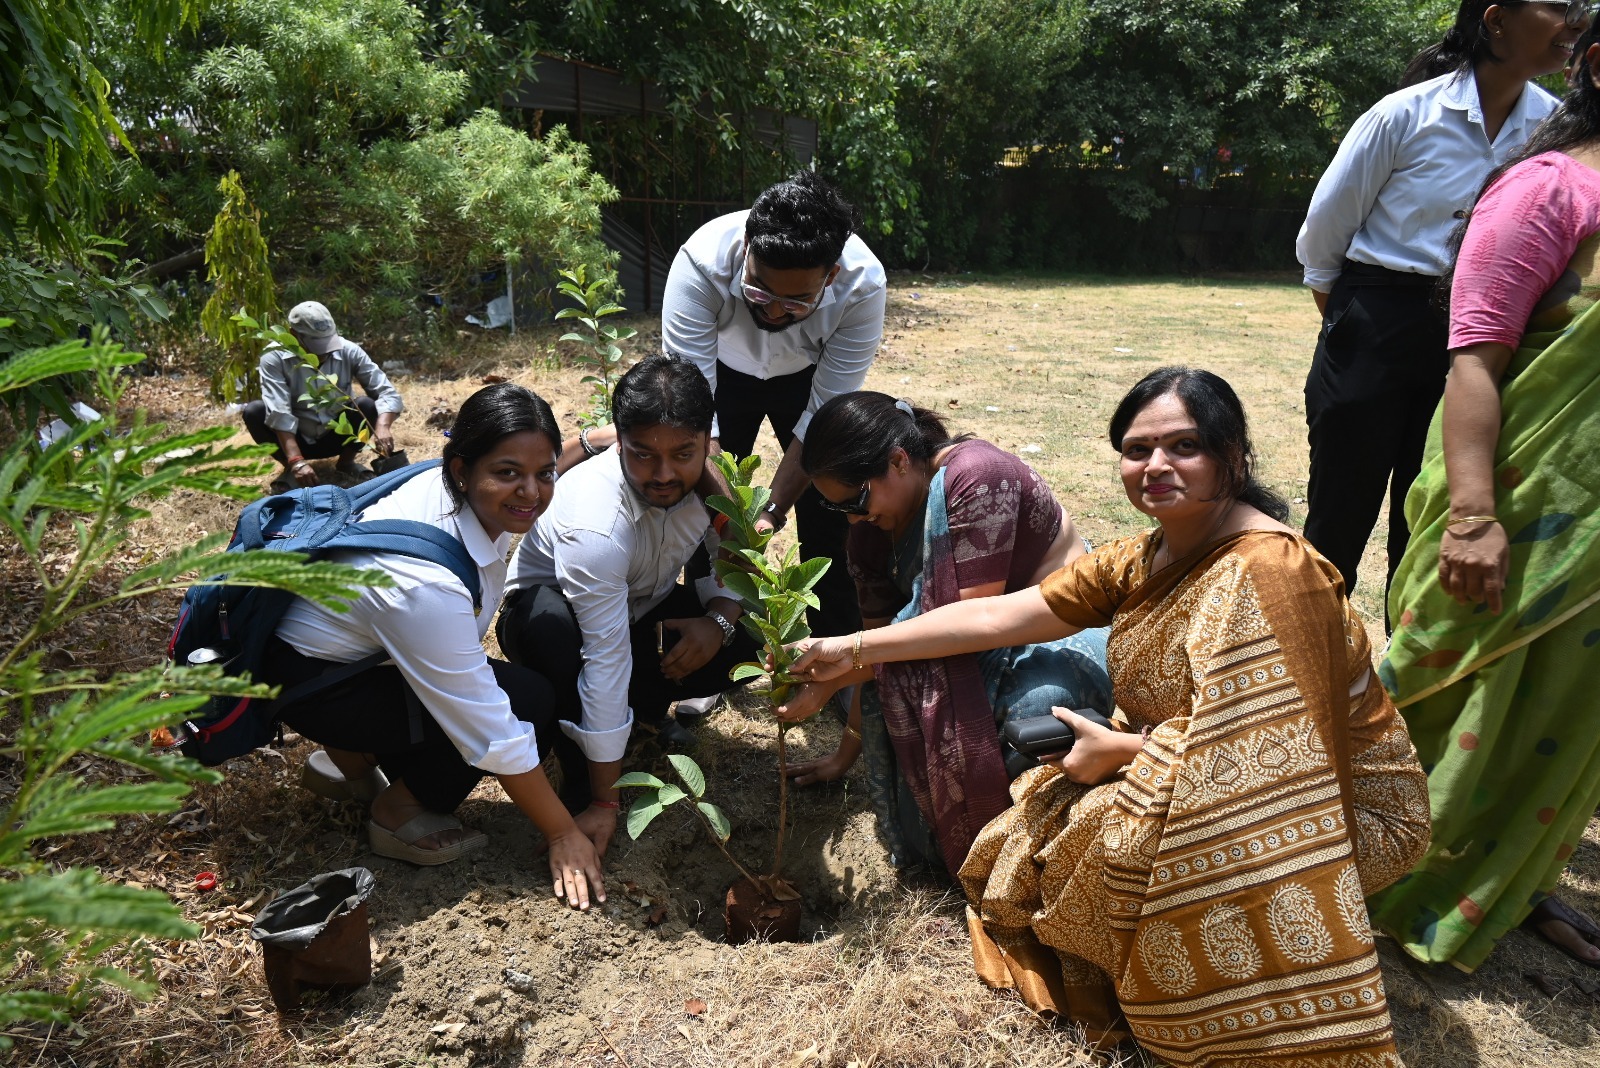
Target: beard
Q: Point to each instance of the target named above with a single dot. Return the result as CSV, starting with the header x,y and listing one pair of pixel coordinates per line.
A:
x,y
762,322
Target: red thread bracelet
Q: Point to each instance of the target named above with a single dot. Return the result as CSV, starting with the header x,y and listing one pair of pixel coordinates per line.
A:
x,y
605,804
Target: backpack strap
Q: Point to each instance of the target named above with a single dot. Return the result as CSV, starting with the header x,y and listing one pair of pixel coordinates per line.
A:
x,y
331,677
410,537
375,489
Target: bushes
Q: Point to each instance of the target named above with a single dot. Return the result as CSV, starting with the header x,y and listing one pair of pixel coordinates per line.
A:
x,y
67,511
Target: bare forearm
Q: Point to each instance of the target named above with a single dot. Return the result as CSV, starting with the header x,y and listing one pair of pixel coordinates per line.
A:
x,y
789,480
289,444
1322,301
603,775
530,791
1020,618
1472,427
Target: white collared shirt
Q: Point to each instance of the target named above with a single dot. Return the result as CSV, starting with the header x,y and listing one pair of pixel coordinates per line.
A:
x,y
614,557
704,317
426,623
1403,174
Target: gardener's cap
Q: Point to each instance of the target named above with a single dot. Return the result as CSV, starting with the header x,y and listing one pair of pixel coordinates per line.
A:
x,y
313,324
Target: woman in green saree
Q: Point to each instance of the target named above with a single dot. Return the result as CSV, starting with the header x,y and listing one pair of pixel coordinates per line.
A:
x,y
1498,597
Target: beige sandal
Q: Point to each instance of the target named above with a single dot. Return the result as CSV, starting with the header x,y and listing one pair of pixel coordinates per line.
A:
x,y
400,843
322,777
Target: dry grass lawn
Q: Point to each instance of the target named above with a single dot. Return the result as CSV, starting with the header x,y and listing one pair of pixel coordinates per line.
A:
x,y
1034,365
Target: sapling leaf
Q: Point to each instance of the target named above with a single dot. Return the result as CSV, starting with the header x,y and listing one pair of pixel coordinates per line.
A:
x,y
644,810
689,772
743,587
806,573
744,671
640,778
719,822
759,496
748,466
794,631
670,795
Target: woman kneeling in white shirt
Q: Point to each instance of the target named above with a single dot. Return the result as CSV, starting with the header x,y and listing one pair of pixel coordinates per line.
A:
x,y
441,714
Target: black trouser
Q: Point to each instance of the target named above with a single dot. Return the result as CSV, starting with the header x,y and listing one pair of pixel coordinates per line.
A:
x,y
254,415
743,401
1375,382
537,628
377,712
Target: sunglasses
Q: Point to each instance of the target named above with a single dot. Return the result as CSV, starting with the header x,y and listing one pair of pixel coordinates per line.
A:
x,y
855,507
1577,14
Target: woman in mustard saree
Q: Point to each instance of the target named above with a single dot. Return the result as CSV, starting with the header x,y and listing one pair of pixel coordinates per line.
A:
x,y
1498,595
1197,881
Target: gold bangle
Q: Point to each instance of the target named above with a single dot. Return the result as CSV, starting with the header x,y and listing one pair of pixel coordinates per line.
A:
x,y
852,732
855,653
1472,519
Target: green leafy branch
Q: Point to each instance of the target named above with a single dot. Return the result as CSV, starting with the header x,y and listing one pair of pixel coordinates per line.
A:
x,y
601,350
70,509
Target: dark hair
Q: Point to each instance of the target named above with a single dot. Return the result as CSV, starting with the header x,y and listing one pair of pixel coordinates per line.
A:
x,y
665,391
850,436
1219,418
1574,122
493,413
799,224
1464,46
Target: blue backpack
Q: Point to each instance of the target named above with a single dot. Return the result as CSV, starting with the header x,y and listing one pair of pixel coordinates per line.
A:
x,y
231,625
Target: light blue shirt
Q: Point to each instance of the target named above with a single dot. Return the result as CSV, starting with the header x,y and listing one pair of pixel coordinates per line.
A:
x,y
1407,168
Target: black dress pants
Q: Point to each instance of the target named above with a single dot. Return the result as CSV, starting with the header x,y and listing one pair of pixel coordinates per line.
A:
x,y
743,401
1375,381
537,628
329,444
377,712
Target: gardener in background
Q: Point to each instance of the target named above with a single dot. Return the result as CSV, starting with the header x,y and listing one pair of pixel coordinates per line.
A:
x,y
285,417
594,601
781,308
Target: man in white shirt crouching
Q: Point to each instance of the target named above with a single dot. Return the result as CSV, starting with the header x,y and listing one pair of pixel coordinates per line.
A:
x,y
593,599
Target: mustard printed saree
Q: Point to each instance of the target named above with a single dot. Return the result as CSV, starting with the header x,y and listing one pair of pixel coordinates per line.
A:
x,y
1210,900
1505,709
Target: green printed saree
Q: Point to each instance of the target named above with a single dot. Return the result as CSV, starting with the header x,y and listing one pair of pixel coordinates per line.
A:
x,y
1505,709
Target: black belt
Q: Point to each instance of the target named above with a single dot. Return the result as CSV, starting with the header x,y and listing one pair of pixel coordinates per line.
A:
x,y
1369,274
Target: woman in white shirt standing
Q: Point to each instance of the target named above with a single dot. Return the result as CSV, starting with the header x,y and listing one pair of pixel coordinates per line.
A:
x,y
1376,240
416,734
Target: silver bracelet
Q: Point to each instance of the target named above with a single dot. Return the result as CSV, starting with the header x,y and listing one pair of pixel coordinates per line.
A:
x,y
583,443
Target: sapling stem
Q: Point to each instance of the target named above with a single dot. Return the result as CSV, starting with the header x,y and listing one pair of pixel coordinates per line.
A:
x,y
717,840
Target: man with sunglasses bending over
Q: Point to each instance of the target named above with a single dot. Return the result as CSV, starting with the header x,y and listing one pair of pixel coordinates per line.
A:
x,y
781,308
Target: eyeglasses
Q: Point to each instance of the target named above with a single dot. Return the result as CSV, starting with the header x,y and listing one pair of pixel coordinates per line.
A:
x,y
855,507
1577,15
756,295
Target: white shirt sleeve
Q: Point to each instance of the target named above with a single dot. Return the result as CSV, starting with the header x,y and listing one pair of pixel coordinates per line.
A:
x,y
593,575
1345,196
690,304
847,354
432,635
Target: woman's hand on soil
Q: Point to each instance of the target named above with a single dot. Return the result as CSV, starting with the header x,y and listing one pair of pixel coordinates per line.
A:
x,y
821,659
598,825
806,701
825,769
1097,752
1473,562
575,869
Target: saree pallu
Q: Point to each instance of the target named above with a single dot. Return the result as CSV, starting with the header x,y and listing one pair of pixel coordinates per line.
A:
x,y
931,728
1505,709
1209,900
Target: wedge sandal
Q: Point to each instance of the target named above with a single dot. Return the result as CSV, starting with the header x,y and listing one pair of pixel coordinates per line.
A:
x,y
400,843
322,777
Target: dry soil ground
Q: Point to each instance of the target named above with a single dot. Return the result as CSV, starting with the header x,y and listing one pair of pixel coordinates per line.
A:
x,y
478,965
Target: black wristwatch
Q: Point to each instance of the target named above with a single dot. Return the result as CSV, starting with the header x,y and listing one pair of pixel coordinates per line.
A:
x,y
727,626
776,514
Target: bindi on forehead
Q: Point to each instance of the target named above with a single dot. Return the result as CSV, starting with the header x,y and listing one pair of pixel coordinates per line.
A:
x,y
1161,435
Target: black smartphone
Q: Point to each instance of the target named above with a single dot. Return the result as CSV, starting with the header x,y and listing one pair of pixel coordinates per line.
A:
x,y
1042,735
